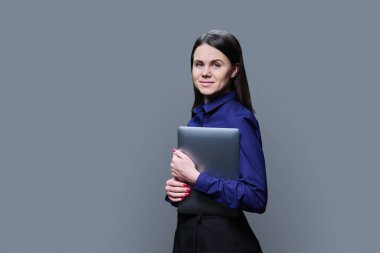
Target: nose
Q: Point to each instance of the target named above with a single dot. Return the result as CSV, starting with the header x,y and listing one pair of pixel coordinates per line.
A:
x,y
206,71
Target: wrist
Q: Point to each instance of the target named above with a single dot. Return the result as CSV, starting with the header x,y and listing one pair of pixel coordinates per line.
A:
x,y
195,177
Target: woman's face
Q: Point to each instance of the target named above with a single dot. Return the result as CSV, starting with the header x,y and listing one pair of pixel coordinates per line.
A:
x,y
211,71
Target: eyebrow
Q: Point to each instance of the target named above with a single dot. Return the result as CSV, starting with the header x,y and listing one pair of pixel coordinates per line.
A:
x,y
210,61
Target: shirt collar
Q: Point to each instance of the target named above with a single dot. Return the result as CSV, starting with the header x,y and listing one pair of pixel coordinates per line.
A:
x,y
215,102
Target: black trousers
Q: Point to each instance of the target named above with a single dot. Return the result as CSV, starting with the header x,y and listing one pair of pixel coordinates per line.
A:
x,y
206,233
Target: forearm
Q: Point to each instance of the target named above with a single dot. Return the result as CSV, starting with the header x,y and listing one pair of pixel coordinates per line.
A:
x,y
241,194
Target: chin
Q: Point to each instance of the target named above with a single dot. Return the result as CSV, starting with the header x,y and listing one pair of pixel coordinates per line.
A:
x,y
210,91
207,93
206,90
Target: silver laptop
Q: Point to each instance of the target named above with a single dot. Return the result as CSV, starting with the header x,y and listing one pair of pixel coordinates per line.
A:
x,y
215,151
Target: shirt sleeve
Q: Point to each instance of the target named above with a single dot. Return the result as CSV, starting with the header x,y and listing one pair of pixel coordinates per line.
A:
x,y
249,192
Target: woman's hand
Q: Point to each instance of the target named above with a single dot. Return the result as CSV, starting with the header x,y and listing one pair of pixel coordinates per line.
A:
x,y
183,168
176,190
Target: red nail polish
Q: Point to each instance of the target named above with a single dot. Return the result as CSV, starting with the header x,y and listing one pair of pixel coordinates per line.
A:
x,y
187,194
188,190
185,185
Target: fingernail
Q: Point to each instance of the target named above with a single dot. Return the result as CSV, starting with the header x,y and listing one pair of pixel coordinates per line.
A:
x,y
173,150
187,194
185,185
188,190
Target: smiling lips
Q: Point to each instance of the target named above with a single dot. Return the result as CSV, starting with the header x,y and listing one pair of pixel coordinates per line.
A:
x,y
206,83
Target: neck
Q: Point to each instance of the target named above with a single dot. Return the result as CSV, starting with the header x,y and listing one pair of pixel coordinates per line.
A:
x,y
216,94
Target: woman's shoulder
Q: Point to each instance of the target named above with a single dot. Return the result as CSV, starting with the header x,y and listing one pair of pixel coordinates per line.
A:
x,y
241,115
239,111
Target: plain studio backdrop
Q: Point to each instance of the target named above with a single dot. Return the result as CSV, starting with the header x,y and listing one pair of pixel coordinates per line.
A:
x,y
92,93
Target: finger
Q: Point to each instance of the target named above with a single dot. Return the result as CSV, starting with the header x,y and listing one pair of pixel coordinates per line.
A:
x,y
170,181
178,153
181,155
175,189
176,199
175,174
175,159
178,194
179,175
174,183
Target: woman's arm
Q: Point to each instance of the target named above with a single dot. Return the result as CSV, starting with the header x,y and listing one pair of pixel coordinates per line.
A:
x,y
249,192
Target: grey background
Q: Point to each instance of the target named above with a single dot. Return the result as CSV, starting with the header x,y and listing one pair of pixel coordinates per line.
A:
x,y
92,92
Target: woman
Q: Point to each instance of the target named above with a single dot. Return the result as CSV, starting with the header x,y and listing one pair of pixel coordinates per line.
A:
x,y
222,99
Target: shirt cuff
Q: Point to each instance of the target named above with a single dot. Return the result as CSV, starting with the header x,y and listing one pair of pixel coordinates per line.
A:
x,y
203,182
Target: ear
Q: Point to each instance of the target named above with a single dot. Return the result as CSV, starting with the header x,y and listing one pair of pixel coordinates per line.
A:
x,y
235,70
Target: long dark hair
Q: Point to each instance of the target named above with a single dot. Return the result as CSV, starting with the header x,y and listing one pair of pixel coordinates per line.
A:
x,y
230,47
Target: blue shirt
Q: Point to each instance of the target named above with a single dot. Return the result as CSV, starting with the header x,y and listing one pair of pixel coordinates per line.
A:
x,y
249,192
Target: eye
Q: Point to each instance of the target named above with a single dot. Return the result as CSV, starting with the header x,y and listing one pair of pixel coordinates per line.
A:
x,y
198,65
216,65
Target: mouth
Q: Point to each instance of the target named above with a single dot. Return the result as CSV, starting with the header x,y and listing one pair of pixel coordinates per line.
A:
x,y
206,83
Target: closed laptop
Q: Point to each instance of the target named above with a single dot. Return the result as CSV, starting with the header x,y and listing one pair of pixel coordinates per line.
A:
x,y
215,151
